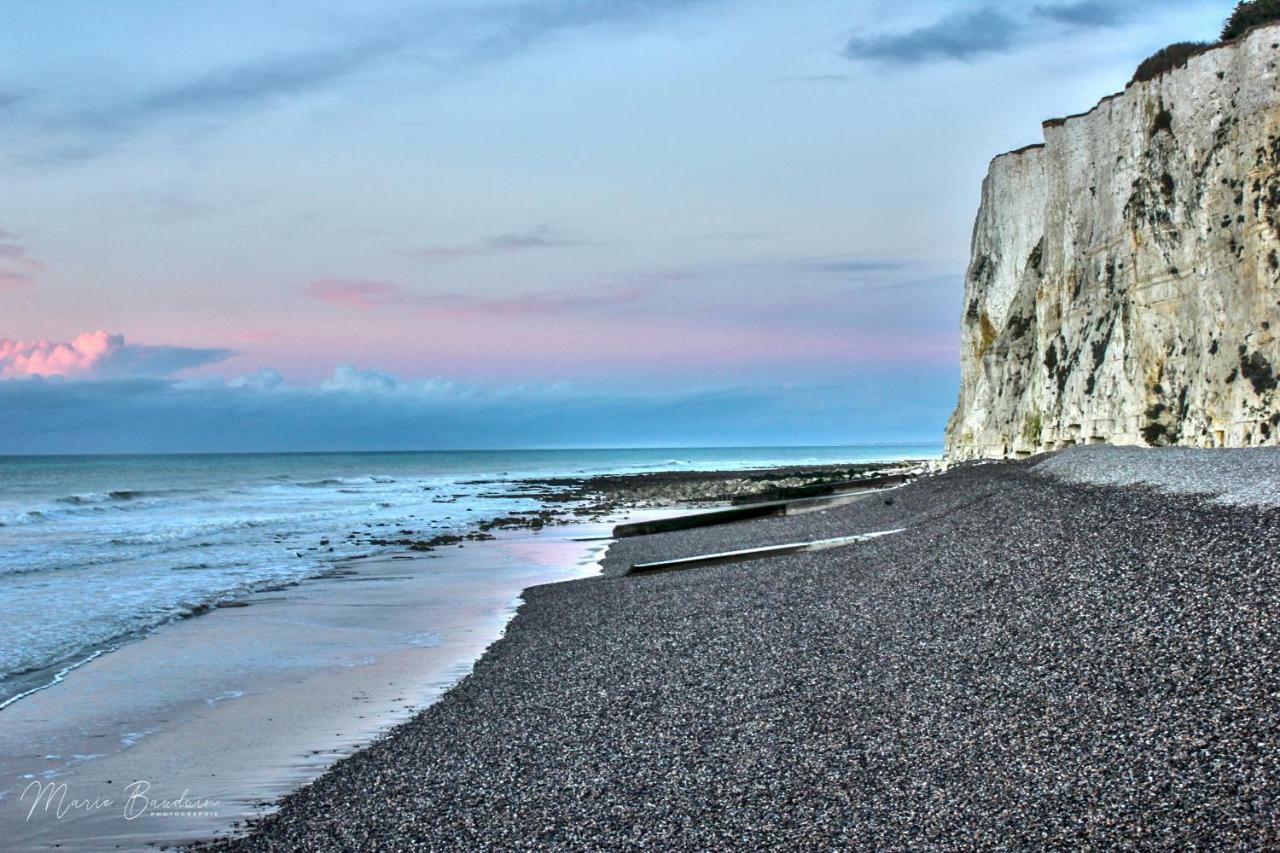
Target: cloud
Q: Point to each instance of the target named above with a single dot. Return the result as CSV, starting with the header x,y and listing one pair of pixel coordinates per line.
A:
x,y
364,295
350,379
372,410
443,42
13,282
838,311
542,237
251,84
98,355
264,380
998,27
962,36
17,254
347,293
814,78
521,26
553,302
17,268
844,266
1089,13
85,133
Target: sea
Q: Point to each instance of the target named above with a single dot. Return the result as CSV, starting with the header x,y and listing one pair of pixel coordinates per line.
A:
x,y
98,551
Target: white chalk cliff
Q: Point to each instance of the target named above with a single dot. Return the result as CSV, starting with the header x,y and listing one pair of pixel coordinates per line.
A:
x,y
1125,279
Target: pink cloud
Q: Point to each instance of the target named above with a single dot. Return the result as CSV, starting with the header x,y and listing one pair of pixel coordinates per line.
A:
x,y
612,346
347,293
257,336
98,355
12,282
541,303
365,295
651,324
45,358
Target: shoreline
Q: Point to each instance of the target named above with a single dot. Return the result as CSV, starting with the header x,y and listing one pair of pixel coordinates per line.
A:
x,y
562,500
979,678
577,516
245,704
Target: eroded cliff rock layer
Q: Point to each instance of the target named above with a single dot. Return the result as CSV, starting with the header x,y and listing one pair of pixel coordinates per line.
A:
x,y
1125,280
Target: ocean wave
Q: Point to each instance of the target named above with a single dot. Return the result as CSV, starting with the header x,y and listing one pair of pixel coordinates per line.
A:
x,y
114,562
77,506
54,677
76,562
90,503
83,500
94,546
121,496
367,480
73,651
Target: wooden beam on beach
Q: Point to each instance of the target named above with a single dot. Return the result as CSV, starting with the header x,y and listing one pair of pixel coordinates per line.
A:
x,y
755,553
700,519
766,509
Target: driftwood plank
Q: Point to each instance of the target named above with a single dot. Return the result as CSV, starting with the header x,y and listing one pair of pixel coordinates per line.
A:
x,y
746,512
755,553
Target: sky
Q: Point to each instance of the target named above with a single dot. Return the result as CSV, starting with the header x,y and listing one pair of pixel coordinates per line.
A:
x,y
254,225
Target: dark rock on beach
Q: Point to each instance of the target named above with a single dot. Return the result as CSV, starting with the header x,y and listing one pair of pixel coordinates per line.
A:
x,y
1031,663
569,500
663,488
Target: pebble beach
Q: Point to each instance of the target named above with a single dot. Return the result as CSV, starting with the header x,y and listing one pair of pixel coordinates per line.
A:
x,y
1053,653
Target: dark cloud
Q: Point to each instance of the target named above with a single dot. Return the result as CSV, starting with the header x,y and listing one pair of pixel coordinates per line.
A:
x,y
523,26
998,27
542,237
255,83
538,239
958,36
86,133
851,266
17,268
137,360
1089,13
815,78
12,250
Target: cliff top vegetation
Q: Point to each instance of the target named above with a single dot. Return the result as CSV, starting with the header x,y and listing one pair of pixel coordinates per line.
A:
x,y
1247,15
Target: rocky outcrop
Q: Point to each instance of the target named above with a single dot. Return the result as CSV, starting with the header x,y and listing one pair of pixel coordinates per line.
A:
x,y
1125,279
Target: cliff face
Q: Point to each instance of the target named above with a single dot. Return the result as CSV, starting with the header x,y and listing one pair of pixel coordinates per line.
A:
x,y
1125,279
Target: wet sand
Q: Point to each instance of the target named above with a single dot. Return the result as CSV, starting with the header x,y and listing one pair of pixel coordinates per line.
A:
x,y
243,704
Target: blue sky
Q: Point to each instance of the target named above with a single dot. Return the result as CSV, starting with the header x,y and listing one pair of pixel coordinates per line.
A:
x,y
533,223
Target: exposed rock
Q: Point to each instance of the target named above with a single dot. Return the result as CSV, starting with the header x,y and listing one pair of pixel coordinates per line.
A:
x,y
1125,281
